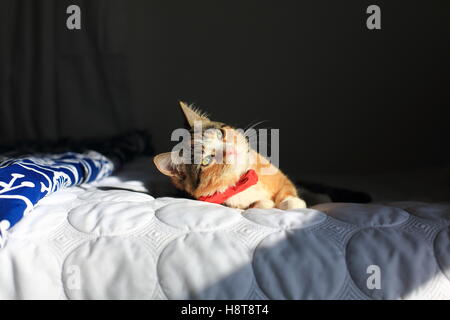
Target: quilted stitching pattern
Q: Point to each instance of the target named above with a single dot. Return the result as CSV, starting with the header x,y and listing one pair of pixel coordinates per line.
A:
x,y
93,244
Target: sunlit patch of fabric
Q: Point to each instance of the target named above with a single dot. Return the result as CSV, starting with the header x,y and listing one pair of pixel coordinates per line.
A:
x,y
26,180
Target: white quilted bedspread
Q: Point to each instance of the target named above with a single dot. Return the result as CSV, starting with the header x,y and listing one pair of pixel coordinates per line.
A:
x,y
88,243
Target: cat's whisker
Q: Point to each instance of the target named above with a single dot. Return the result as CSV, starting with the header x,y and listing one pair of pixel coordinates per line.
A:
x,y
248,126
254,125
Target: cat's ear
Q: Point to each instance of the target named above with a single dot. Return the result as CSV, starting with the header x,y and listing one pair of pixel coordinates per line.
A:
x,y
163,162
192,114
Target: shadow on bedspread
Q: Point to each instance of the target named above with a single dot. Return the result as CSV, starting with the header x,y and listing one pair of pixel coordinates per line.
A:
x,y
376,253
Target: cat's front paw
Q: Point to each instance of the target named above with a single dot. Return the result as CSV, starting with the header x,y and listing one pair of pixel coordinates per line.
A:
x,y
291,203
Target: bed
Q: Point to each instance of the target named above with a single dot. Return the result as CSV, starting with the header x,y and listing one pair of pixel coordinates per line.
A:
x,y
118,239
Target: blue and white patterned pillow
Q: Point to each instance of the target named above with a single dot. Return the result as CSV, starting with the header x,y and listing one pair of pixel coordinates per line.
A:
x,y
24,181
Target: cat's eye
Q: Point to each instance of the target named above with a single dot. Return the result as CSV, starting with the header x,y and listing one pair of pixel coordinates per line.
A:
x,y
220,133
207,160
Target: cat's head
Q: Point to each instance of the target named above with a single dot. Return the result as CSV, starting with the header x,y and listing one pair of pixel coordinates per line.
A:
x,y
211,157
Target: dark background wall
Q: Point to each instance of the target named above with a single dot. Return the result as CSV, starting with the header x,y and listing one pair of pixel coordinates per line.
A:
x,y
346,99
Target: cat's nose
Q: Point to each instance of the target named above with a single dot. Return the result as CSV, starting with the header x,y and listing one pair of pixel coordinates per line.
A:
x,y
230,152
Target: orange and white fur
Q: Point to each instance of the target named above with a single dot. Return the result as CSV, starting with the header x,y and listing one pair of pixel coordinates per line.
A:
x,y
217,172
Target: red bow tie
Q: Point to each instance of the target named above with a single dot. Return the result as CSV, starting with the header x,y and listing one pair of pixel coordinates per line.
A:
x,y
247,180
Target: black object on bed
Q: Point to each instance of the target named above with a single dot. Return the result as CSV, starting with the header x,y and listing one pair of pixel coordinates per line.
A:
x,y
120,148
306,188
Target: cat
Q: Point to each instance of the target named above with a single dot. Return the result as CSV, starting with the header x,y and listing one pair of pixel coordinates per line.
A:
x,y
228,170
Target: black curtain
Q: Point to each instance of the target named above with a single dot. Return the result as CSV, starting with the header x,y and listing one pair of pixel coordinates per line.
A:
x,y
56,82
345,98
